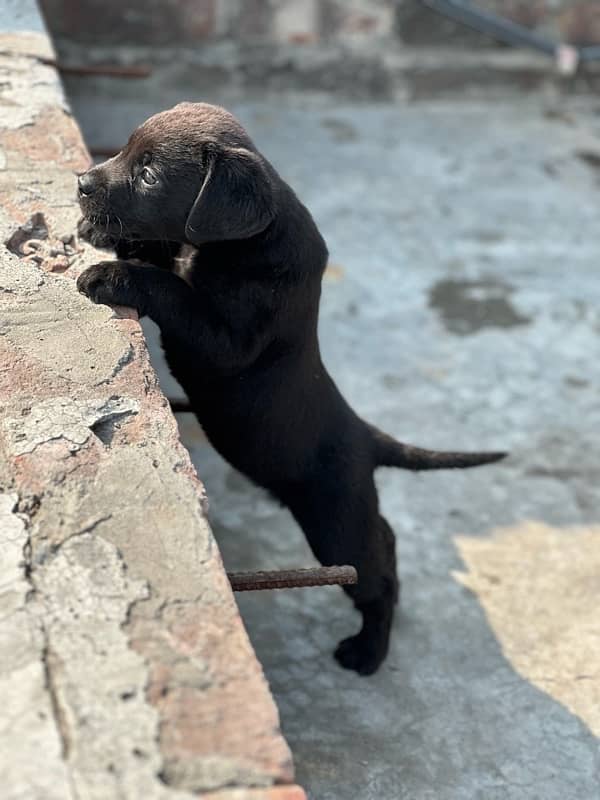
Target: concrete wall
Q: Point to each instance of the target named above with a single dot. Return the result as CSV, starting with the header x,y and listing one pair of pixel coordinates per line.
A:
x,y
301,21
125,670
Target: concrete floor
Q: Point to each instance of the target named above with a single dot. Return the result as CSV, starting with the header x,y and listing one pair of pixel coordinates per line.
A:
x,y
460,311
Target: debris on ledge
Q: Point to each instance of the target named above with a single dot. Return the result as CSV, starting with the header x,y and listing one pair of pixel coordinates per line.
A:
x,y
125,670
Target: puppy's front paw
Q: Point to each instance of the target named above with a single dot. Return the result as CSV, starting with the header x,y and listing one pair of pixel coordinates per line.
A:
x,y
111,283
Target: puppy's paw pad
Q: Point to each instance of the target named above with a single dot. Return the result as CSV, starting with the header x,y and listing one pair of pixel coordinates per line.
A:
x,y
90,279
358,654
101,283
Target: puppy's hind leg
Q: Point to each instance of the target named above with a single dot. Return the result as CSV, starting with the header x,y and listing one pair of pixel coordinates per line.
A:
x,y
374,596
343,526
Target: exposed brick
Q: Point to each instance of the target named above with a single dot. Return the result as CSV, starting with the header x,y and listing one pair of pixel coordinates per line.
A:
x,y
580,24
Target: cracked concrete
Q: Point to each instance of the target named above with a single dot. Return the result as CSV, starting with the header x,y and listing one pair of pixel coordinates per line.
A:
x,y
125,670
27,710
63,418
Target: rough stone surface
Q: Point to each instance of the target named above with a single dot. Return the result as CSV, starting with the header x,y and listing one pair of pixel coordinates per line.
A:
x,y
460,309
125,670
38,770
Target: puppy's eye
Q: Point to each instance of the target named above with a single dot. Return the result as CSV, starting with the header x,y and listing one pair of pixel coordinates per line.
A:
x,y
148,176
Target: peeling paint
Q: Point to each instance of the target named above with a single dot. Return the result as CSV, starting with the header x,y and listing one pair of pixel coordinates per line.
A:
x,y
63,418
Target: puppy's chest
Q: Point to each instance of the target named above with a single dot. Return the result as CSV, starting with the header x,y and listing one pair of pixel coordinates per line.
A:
x,y
183,263
224,288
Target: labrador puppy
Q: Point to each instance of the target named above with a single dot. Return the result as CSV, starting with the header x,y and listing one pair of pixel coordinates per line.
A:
x,y
238,318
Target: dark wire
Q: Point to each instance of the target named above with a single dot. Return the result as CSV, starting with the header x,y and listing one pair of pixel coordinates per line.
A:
x,y
504,30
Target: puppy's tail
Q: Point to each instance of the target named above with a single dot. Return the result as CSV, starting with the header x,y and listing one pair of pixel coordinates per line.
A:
x,y
391,453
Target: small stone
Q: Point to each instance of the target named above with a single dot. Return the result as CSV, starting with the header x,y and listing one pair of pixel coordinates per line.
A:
x,y
58,264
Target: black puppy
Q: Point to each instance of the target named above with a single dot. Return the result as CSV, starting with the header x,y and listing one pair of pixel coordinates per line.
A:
x,y
238,320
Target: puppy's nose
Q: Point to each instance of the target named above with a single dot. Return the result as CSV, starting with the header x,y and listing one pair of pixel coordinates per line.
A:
x,y
87,183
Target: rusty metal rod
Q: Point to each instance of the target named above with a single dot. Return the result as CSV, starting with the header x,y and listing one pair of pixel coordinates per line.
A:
x,y
292,578
108,70
506,30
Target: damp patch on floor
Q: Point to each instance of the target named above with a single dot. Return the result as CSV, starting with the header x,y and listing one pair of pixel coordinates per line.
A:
x,y
466,307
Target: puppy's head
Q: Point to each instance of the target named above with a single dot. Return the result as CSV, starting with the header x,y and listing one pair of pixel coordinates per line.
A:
x,y
190,174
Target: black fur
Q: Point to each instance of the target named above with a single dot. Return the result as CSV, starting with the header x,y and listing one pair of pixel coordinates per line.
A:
x,y
239,330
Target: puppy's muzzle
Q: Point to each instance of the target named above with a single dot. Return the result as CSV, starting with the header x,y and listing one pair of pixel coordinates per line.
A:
x,y
87,184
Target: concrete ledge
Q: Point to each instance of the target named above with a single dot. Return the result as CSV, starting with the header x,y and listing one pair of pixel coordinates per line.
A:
x,y
125,670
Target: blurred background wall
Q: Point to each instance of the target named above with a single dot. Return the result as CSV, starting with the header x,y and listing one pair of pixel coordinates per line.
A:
x,y
165,22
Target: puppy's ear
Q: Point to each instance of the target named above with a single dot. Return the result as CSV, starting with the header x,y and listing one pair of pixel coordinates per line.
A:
x,y
235,200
